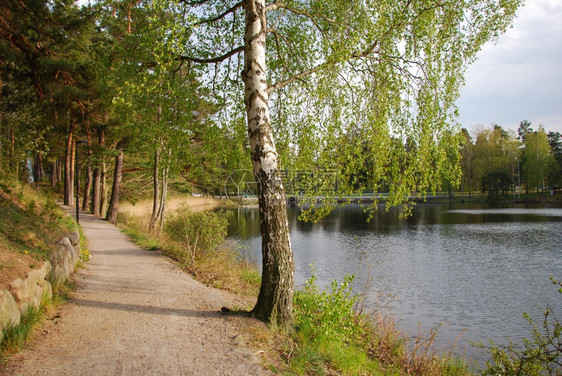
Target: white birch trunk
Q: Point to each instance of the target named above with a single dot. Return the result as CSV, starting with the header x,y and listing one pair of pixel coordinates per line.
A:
x,y
274,303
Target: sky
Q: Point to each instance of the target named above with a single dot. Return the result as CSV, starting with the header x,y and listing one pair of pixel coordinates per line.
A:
x,y
520,76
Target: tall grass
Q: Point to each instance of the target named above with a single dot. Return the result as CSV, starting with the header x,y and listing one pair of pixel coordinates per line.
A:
x,y
197,241
333,337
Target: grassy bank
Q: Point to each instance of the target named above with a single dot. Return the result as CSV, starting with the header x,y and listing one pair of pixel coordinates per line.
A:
x,y
31,223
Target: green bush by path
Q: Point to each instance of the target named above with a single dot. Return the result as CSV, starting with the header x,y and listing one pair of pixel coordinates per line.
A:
x,y
199,233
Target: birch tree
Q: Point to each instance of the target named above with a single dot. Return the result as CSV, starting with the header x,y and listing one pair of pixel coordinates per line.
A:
x,y
312,72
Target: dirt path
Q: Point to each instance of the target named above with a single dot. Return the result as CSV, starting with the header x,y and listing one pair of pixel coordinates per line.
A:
x,y
136,313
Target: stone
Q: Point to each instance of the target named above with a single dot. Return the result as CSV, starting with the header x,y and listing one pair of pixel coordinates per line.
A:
x,y
64,260
9,311
74,238
31,290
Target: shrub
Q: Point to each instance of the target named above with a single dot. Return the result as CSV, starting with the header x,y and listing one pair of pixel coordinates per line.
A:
x,y
199,233
327,314
540,356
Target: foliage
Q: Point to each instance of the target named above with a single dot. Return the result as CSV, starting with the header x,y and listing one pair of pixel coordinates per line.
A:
x,y
490,164
538,159
555,173
327,314
495,182
198,232
332,337
538,356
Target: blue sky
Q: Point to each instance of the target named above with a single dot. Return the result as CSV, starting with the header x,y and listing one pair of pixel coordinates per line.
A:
x,y
520,76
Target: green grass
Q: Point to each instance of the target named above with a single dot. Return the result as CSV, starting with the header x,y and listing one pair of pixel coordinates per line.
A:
x,y
15,336
333,338
30,220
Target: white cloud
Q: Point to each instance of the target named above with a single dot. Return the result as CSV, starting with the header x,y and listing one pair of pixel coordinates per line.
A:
x,y
520,77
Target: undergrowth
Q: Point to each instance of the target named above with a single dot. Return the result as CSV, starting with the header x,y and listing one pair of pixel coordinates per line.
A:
x,y
30,220
333,337
197,241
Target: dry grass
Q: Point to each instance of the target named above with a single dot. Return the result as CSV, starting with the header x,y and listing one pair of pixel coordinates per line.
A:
x,y
143,208
221,268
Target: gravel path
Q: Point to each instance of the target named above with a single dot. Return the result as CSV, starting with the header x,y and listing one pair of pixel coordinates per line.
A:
x,y
136,313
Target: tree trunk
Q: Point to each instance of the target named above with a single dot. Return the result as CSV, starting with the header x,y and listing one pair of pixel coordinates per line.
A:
x,y
72,172
162,204
59,169
38,171
113,209
87,189
275,299
103,201
67,170
164,190
12,149
97,191
54,174
156,187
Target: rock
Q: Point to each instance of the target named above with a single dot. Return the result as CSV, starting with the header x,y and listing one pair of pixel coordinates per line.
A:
x,y
64,259
31,290
74,238
9,311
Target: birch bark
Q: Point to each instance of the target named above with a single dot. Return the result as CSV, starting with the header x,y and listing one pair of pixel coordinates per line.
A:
x,y
274,302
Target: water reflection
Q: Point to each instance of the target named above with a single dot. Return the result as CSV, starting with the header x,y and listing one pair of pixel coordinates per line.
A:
x,y
464,266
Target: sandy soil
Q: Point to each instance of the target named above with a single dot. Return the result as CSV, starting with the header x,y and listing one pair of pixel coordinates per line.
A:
x,y
135,313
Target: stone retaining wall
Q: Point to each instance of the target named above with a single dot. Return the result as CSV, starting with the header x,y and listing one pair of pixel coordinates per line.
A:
x,y
29,291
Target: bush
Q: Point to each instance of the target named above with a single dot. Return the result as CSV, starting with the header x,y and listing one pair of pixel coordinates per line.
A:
x,y
540,356
327,314
199,233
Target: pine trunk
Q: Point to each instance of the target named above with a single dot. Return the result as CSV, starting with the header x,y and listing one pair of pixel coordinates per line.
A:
x,y
67,170
97,190
54,174
72,172
113,209
275,299
87,189
103,201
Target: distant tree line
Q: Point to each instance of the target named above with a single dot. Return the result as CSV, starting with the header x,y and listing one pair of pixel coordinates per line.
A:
x,y
499,162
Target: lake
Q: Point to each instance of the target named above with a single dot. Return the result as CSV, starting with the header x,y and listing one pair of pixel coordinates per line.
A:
x,y
467,267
